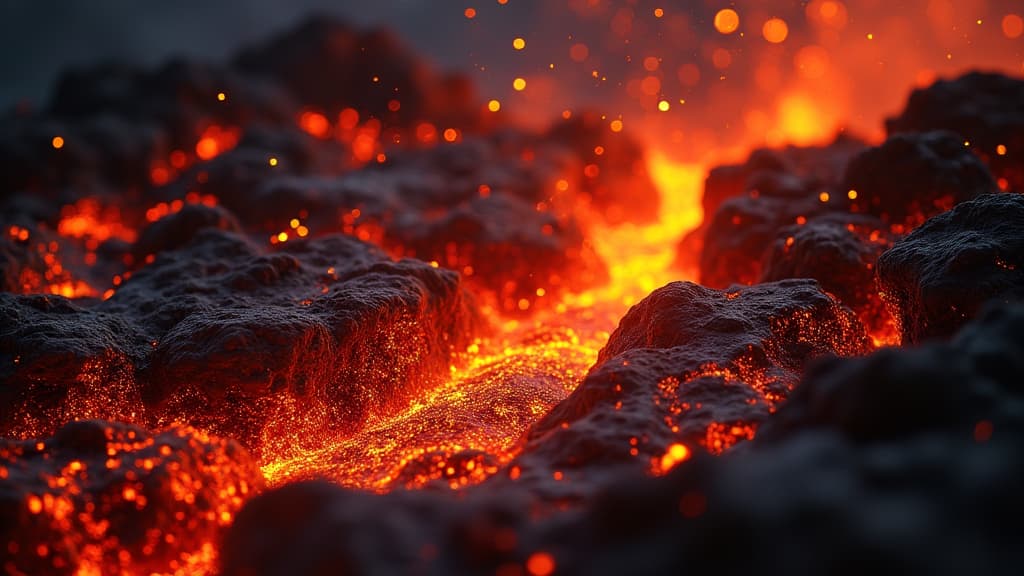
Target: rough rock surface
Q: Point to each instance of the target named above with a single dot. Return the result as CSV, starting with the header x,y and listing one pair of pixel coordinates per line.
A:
x,y
221,334
694,365
939,277
985,109
101,498
811,168
475,207
912,177
840,252
903,459
743,229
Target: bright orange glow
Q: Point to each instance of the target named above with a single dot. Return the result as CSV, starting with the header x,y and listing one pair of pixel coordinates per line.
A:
x,y
221,96
616,125
519,43
664,105
658,12
775,30
1001,150
802,121
315,124
57,142
812,62
519,84
215,141
469,13
540,564
1013,26
494,105
727,21
675,454
450,135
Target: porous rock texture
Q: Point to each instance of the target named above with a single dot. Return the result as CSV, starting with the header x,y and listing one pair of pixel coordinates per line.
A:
x,y
903,459
912,177
840,252
694,365
104,498
940,276
222,334
985,109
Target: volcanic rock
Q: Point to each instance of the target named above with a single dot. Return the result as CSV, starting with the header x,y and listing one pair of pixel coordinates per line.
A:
x,y
840,252
810,169
102,497
939,277
901,459
222,334
985,109
744,228
694,365
912,177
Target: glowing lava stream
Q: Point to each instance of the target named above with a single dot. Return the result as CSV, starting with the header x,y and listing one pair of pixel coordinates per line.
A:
x,y
466,430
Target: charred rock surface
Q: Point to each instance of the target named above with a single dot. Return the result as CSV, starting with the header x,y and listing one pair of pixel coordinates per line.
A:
x,y
912,177
811,169
840,252
939,277
985,109
901,459
744,228
694,365
475,207
221,334
101,497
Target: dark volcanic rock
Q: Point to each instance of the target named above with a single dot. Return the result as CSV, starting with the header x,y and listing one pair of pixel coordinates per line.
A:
x,y
904,459
743,229
220,334
104,498
967,387
912,177
178,229
179,98
938,278
326,64
840,252
694,365
984,108
475,207
807,170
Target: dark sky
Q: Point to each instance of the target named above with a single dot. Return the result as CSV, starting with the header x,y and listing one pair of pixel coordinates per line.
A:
x,y
747,91
40,37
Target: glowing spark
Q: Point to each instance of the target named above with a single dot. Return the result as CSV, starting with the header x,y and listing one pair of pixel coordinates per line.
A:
x,y
494,105
727,21
57,142
519,84
775,30
519,43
